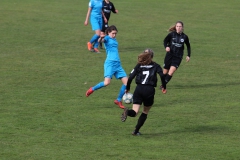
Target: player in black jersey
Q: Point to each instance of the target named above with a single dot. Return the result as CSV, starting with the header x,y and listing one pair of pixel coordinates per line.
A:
x,y
146,79
174,45
108,7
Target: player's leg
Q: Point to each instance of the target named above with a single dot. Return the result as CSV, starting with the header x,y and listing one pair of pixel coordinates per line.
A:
x,y
137,101
121,74
174,66
108,70
95,26
105,83
148,95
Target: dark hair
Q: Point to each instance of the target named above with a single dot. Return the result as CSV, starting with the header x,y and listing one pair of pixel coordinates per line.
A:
x,y
110,29
145,58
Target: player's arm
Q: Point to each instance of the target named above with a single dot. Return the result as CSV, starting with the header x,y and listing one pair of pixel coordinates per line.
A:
x,y
187,42
131,76
114,10
101,39
166,42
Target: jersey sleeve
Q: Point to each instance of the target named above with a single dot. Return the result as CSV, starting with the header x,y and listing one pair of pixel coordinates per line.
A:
x,y
113,9
167,40
187,42
90,4
106,38
132,75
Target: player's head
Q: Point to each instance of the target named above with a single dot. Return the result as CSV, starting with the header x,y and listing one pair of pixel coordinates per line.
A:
x,y
110,29
178,27
148,50
145,58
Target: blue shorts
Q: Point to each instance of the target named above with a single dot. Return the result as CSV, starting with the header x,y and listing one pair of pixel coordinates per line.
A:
x,y
96,23
114,68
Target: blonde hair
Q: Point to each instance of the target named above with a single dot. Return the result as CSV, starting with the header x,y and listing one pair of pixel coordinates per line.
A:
x,y
173,27
145,58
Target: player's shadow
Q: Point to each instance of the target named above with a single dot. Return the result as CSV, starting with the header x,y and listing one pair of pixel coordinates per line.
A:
x,y
192,129
206,85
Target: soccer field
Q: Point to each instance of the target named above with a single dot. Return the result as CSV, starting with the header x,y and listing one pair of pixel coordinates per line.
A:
x,y
45,70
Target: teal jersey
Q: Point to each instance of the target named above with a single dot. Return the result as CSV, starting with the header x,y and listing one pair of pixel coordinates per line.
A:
x,y
96,6
111,46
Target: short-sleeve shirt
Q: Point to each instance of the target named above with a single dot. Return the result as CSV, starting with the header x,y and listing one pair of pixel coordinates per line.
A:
x,y
111,46
96,6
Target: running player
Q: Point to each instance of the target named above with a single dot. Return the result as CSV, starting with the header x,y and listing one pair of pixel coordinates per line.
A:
x,y
174,45
96,18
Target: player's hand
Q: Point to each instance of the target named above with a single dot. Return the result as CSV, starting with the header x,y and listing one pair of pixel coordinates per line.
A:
x,y
167,49
187,59
116,10
86,23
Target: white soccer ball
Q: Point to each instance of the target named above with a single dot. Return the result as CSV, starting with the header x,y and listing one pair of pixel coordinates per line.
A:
x,y
128,98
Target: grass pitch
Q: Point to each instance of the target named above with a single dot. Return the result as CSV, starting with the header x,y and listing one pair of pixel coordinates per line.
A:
x,y
45,70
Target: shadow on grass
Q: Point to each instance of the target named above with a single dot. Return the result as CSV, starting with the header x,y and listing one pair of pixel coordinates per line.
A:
x,y
193,129
207,85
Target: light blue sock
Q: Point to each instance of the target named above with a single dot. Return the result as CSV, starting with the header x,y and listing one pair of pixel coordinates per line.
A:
x,y
94,38
98,86
96,44
121,92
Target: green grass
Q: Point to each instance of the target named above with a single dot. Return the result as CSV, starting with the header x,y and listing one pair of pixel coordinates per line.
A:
x,y
45,70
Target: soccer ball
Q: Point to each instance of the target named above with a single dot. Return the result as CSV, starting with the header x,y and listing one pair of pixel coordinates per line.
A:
x,y
128,98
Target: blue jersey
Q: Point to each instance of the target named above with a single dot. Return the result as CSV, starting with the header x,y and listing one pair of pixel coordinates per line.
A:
x,y
111,46
96,6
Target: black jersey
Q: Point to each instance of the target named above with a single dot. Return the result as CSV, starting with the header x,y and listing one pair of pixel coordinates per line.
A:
x,y
176,43
107,8
146,75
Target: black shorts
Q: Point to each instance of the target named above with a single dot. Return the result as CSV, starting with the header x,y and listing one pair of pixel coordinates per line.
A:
x,y
144,94
104,26
171,60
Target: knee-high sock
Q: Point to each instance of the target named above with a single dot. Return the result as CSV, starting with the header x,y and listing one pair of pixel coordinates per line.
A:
x,y
121,92
141,121
167,78
98,86
94,38
96,44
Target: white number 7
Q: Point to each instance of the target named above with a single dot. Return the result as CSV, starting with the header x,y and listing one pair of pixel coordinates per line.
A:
x,y
147,74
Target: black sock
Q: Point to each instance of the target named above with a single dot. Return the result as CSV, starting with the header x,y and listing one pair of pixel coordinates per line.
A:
x,y
141,121
167,78
131,113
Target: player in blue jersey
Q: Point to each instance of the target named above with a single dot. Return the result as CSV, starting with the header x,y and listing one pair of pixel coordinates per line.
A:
x,y
112,65
96,18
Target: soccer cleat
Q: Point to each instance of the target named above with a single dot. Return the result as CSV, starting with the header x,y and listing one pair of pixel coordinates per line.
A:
x,y
89,91
124,115
96,50
136,134
89,45
164,91
119,103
